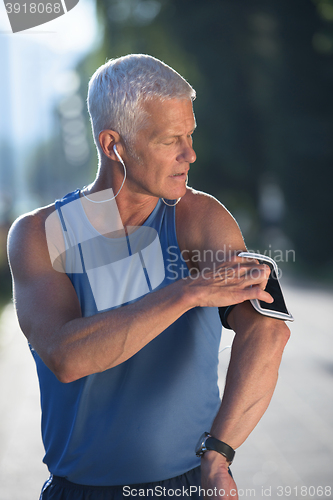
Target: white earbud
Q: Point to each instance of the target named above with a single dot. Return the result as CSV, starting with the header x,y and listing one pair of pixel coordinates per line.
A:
x,y
115,196
117,154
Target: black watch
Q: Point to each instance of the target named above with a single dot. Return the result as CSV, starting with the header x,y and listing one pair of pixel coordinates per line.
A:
x,y
207,442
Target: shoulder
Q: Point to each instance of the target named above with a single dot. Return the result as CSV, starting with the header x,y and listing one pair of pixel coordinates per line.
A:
x,y
203,221
197,206
29,225
38,223
27,237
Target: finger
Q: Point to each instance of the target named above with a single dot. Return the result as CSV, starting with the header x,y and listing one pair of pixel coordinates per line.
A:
x,y
256,292
256,274
236,258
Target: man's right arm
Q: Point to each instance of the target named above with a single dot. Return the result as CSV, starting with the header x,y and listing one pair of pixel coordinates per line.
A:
x,y
73,346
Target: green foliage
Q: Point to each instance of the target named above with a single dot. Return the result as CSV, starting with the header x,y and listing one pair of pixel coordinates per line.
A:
x,y
263,74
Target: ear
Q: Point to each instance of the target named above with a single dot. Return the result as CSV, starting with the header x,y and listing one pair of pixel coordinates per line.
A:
x,y
108,139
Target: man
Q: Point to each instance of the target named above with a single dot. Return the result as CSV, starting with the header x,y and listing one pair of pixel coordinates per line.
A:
x,y
117,288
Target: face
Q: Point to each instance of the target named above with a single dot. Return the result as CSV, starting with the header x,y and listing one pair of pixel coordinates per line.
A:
x,y
163,150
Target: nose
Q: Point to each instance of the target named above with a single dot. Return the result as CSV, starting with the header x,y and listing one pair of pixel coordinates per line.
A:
x,y
191,155
187,154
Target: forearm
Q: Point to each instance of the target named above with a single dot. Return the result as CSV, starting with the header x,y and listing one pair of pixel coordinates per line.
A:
x,y
73,347
81,346
93,344
252,375
250,382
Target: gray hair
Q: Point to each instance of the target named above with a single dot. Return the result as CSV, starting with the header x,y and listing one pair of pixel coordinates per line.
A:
x,y
118,89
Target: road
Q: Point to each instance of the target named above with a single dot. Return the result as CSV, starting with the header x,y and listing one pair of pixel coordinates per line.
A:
x,y
288,455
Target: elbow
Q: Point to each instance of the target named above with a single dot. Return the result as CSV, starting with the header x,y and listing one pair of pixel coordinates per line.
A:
x,y
65,377
61,367
68,367
283,333
278,337
273,334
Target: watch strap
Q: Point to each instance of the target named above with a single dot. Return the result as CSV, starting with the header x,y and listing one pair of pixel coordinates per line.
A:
x,y
213,444
221,447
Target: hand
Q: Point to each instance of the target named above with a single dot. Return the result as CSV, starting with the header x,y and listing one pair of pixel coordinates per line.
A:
x,y
231,282
215,477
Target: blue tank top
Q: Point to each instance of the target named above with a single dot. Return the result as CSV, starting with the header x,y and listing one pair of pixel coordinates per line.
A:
x,y
139,421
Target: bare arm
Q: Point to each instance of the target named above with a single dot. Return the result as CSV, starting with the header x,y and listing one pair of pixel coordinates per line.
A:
x,y
73,346
49,312
252,375
256,352
251,378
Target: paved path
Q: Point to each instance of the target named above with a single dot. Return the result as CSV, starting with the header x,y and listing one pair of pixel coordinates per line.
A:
x,y
292,446
21,451
288,455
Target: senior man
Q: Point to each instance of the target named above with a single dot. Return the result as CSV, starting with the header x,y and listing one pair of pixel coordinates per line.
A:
x,y
119,301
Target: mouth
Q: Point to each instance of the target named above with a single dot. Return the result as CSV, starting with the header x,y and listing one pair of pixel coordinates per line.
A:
x,y
179,175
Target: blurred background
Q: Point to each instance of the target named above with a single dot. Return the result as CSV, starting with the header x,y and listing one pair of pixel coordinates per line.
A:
x,y
263,72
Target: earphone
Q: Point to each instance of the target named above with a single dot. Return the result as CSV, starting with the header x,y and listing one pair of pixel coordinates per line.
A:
x,y
171,204
123,164
117,154
177,201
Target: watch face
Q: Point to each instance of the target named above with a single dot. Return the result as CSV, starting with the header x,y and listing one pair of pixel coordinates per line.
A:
x,y
200,447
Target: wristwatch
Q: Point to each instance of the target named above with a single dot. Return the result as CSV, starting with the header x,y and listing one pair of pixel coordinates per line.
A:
x,y
207,442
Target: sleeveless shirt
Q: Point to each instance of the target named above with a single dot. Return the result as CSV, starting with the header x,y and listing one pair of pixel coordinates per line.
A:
x,y
139,421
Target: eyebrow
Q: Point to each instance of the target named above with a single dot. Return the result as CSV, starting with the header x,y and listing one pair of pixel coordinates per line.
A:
x,y
169,136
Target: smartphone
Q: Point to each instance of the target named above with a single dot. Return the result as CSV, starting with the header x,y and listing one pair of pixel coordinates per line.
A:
x,y
278,309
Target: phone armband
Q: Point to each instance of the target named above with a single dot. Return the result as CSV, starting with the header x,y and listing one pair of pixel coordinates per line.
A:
x,y
278,309
224,312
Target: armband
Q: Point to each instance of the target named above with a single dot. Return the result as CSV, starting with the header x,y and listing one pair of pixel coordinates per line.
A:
x,y
276,309
224,313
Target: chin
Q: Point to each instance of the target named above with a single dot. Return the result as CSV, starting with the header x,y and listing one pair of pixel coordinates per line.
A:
x,y
180,193
174,197
174,194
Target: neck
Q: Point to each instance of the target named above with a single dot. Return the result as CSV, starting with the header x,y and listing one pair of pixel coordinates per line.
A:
x,y
134,207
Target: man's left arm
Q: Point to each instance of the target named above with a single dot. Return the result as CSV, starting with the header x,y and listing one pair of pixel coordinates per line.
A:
x,y
204,224
252,375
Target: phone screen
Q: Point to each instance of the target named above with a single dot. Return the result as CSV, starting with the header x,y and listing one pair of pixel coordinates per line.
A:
x,y
274,289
